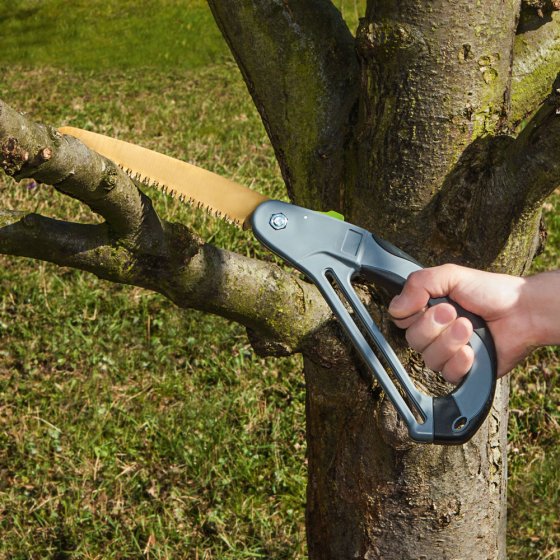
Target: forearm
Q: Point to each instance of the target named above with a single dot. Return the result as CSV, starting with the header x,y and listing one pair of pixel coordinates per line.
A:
x,y
542,300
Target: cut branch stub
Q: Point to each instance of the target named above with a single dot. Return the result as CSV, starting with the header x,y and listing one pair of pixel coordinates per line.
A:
x,y
33,150
14,157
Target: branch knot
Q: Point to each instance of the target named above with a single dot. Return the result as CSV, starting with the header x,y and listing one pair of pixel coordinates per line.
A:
x,y
14,156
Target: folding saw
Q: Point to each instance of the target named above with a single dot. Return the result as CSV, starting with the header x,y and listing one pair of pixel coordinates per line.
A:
x,y
330,252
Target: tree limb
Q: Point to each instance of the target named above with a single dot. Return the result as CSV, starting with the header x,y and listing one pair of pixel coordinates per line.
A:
x,y
535,63
532,160
307,107
134,246
436,77
31,150
507,179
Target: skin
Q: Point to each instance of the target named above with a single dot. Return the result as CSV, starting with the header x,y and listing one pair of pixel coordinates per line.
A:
x,y
521,313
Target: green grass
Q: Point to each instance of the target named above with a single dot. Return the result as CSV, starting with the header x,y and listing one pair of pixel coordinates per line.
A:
x,y
129,425
94,35
124,420
534,430
132,429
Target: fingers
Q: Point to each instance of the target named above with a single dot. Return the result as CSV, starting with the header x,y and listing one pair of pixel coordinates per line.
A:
x,y
447,353
429,325
436,332
406,323
441,338
458,365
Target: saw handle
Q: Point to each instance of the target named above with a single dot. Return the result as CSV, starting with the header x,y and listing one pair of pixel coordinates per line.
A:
x,y
331,253
476,391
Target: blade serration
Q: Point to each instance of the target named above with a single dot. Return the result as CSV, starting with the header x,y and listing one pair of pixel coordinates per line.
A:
x,y
182,198
191,184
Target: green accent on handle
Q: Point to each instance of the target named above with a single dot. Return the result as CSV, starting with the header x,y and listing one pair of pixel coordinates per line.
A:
x,y
334,214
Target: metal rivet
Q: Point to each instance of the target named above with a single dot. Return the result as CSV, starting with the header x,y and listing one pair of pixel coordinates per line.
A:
x,y
278,221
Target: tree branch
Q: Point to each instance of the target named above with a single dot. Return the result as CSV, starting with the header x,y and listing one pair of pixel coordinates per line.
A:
x,y
28,149
507,179
535,63
532,160
307,107
135,247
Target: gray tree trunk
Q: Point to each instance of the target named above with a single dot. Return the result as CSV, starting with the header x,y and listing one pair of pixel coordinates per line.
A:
x,y
414,138
373,494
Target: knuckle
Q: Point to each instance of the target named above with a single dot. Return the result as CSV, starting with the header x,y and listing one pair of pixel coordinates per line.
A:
x,y
467,356
416,340
410,338
449,269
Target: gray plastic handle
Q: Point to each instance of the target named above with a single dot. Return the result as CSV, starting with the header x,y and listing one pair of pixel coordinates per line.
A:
x,y
331,252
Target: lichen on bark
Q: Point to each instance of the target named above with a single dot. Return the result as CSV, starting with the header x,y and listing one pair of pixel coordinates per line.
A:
x,y
536,66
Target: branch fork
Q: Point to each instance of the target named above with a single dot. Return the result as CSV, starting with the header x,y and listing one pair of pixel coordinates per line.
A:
x,y
136,246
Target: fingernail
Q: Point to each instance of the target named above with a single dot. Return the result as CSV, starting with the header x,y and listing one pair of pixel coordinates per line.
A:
x,y
443,314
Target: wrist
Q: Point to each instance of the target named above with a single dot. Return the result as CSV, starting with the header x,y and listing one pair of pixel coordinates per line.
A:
x,y
542,300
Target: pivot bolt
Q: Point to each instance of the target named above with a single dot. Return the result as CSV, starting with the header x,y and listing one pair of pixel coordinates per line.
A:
x,y
278,221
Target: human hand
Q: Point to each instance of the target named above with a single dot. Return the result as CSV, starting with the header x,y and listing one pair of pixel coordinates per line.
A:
x,y
441,337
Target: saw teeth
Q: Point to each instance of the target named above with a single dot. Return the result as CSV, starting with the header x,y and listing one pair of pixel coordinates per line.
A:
x,y
182,198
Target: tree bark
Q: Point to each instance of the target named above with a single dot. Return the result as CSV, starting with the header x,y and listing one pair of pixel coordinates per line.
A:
x,y
428,162
372,493
535,63
298,61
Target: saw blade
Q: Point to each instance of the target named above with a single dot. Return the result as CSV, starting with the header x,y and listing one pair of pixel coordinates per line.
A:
x,y
189,183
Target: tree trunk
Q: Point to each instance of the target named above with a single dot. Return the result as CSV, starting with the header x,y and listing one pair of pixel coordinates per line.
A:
x,y
423,157
372,493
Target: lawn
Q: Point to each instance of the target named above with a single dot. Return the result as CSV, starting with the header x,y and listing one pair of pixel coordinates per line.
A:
x,y
130,428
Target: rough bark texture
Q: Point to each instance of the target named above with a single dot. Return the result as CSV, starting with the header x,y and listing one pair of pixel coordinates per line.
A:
x,y
279,45
374,494
410,130
434,78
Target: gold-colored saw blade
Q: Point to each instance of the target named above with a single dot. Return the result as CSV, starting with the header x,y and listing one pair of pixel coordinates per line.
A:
x,y
178,178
